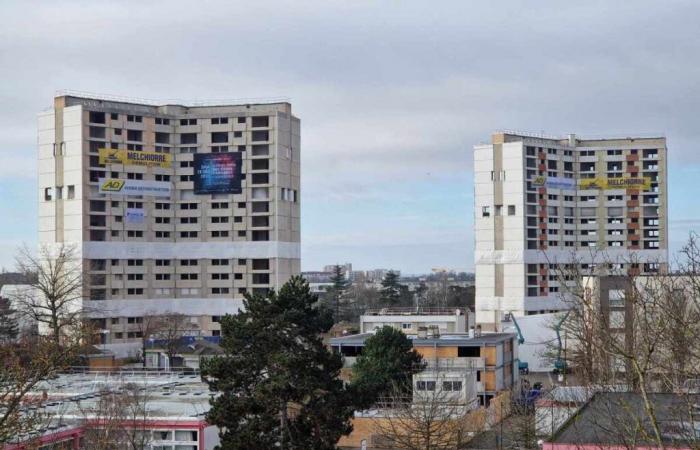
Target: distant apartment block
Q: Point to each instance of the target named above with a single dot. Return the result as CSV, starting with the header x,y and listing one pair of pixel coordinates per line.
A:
x,y
173,208
543,202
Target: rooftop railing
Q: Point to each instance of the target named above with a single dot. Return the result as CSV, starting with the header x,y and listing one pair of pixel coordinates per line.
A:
x,y
415,311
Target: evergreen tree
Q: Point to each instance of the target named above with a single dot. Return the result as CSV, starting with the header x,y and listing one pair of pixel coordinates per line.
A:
x,y
391,289
387,363
278,383
340,286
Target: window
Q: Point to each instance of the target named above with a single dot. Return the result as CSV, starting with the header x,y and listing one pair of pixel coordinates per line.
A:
x,y
188,262
161,121
219,234
185,122
240,119
425,385
160,177
188,219
188,138
219,290
260,135
134,233
260,121
485,211
134,176
406,326
134,291
134,262
219,137
134,276
162,262
189,276
134,118
48,194
219,262
511,210
188,205
454,386
188,234
220,276
134,135
162,234
219,205
162,206
114,116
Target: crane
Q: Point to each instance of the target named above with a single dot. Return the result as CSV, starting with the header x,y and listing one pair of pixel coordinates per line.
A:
x,y
559,363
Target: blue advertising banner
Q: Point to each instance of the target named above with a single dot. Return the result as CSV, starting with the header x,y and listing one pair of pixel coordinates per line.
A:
x,y
217,173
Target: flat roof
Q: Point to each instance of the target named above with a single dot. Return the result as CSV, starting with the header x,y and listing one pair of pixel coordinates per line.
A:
x,y
170,395
444,340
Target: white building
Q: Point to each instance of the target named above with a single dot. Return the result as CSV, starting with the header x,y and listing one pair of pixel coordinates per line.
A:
x,y
410,320
541,202
14,293
173,208
170,410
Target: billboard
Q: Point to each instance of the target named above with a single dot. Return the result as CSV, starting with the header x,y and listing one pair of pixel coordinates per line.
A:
x,y
135,215
554,182
134,187
135,158
643,183
217,173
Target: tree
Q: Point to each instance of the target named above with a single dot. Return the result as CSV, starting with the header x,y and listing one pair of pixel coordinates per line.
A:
x,y
23,365
388,360
172,327
340,286
278,383
432,421
118,420
391,289
149,326
653,347
54,295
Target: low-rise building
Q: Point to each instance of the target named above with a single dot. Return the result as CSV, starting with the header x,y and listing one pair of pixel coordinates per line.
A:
x,y
492,358
175,405
615,420
410,320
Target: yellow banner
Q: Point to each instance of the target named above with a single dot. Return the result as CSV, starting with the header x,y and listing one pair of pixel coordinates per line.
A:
x,y
135,158
643,183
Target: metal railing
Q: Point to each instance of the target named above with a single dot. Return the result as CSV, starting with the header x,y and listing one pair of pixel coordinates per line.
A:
x,y
181,102
415,311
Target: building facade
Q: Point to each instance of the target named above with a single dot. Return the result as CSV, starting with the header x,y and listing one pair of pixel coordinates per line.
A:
x,y
172,208
412,320
542,203
488,362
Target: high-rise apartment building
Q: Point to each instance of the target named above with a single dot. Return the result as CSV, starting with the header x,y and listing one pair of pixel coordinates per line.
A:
x,y
172,208
543,202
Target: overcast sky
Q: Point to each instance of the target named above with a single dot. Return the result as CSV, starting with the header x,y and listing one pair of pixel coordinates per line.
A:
x,y
392,96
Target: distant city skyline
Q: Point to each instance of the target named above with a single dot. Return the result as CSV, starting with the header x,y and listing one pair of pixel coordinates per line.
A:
x,y
391,103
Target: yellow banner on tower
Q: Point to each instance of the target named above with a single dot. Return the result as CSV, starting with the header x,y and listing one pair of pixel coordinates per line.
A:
x,y
135,158
643,183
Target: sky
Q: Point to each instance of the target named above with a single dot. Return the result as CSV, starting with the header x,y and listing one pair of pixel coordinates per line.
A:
x,y
392,95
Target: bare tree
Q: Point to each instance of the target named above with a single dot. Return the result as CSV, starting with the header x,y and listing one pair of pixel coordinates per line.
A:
x,y
434,420
23,366
649,342
148,327
54,296
172,328
118,420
